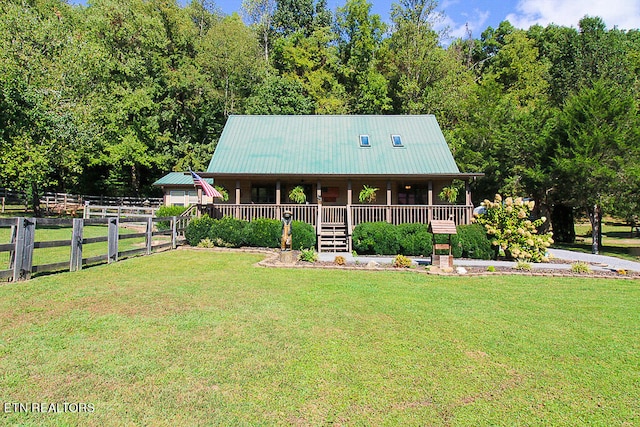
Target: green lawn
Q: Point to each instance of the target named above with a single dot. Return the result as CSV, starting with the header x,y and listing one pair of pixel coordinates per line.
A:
x,y
205,338
616,240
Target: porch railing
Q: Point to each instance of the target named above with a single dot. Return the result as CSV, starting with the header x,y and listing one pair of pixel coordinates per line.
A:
x,y
395,214
400,214
306,213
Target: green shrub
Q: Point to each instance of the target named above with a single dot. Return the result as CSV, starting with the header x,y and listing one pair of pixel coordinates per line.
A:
x,y
264,233
164,211
376,238
414,239
198,229
401,261
523,266
206,243
473,242
229,232
308,255
491,269
303,235
580,267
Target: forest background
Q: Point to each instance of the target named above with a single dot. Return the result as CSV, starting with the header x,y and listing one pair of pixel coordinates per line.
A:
x,y
107,98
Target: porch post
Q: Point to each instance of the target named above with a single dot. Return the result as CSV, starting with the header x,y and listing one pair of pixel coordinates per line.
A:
x,y
430,201
469,207
389,202
278,199
349,193
237,199
319,218
200,205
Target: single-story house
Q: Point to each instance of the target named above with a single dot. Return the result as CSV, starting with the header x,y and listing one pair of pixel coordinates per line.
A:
x,y
259,160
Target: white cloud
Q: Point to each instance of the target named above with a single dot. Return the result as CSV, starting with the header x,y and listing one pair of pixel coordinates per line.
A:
x,y
475,23
624,14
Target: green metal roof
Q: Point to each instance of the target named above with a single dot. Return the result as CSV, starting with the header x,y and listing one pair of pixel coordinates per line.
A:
x,y
330,145
178,178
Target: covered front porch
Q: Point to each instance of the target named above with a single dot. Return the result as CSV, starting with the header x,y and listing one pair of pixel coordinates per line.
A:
x,y
333,208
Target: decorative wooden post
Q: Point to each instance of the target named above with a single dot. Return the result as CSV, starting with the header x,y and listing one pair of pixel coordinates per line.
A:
x,y
440,227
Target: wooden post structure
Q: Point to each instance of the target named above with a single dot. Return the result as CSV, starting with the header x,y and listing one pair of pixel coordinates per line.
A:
x,y
440,227
389,202
23,254
278,199
112,244
76,245
174,232
149,236
238,199
430,201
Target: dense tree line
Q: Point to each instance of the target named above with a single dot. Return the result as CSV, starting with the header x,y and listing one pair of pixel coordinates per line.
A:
x,y
108,97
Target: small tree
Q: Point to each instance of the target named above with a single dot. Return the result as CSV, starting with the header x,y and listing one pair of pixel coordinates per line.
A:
x,y
510,229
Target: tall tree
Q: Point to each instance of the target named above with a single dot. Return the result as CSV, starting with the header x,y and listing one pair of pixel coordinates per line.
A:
x,y
230,55
414,52
598,151
39,147
360,36
260,15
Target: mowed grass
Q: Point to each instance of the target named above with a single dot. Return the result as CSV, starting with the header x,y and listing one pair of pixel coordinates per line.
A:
x,y
206,338
616,240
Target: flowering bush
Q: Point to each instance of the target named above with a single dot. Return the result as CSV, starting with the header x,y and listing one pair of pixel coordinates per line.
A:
x,y
510,229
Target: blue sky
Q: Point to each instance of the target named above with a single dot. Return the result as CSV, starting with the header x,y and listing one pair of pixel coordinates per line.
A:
x,y
480,14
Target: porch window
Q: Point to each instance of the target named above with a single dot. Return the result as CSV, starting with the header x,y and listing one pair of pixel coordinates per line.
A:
x,y
263,193
412,195
176,197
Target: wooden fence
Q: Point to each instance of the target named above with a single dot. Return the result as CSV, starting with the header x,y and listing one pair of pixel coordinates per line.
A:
x,y
91,211
21,264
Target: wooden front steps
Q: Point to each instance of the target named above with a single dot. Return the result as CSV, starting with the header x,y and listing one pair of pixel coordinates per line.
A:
x,y
333,238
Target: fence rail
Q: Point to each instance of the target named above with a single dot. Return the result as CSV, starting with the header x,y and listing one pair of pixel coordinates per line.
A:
x,y
91,211
24,254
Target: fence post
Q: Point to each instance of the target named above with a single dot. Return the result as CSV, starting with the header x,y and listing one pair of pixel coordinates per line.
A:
x,y
149,234
14,237
112,253
76,244
174,232
25,235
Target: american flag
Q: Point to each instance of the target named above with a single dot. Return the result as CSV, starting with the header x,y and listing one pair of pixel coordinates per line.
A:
x,y
206,187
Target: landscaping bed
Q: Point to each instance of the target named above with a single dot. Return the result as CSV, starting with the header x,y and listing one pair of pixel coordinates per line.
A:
x,y
563,269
